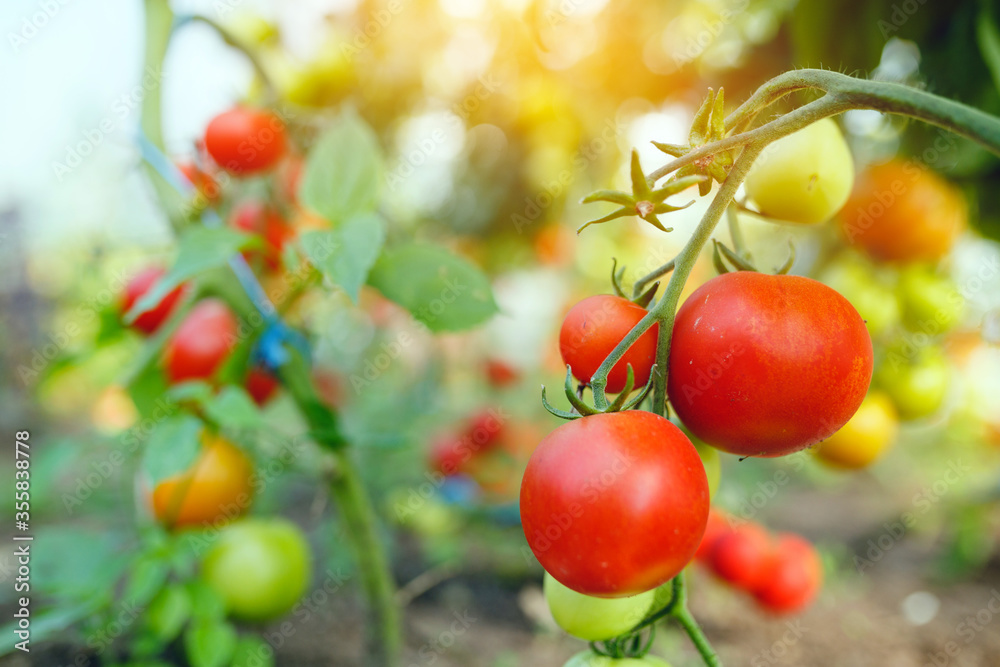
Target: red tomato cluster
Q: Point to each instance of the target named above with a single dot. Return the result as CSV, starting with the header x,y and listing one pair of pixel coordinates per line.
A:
x,y
614,504
257,218
783,573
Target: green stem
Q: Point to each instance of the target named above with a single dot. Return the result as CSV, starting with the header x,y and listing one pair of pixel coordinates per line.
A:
x,y
384,638
640,284
736,233
271,93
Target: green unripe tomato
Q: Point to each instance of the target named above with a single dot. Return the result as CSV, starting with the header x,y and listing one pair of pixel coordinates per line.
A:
x,y
805,177
591,659
917,385
713,465
931,303
260,567
875,302
593,618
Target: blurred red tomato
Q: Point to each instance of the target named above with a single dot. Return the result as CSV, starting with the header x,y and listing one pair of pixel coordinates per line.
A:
x,y
140,284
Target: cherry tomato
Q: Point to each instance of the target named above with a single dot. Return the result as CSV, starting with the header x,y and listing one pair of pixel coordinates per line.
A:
x,y
201,343
593,618
902,212
591,330
767,365
245,141
448,454
260,567
218,485
501,374
931,302
613,505
719,524
864,437
792,576
741,555
261,385
591,659
256,218
805,177
141,283
916,380
204,184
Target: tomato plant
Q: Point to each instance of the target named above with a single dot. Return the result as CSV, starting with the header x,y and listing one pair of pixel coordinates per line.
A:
x,y
217,486
805,177
614,505
590,659
201,343
593,327
256,218
245,141
260,567
917,382
767,365
903,212
931,303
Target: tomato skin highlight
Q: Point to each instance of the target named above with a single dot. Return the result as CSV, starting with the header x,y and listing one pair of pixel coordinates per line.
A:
x,y
614,505
152,319
594,327
245,141
764,365
201,343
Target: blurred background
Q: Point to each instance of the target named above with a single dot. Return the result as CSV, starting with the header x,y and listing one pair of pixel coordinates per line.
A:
x,y
495,117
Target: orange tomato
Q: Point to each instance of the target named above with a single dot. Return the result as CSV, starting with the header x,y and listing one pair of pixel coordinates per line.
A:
x,y
902,212
217,485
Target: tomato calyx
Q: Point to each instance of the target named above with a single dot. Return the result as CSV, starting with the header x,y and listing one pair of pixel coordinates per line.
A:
x,y
709,126
643,201
620,404
631,645
741,263
641,299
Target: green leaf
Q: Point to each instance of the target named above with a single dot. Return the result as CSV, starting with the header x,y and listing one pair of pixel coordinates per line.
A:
x,y
701,125
252,651
210,643
344,170
168,612
443,291
206,604
718,117
988,37
201,249
194,391
148,574
233,408
172,447
346,254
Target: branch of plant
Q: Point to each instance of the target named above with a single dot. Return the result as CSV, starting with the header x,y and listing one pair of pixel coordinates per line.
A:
x,y
271,92
736,232
640,284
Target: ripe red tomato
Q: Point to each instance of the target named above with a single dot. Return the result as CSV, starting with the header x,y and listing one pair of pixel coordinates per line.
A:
x,y
593,328
141,283
740,556
903,212
792,576
201,343
257,218
218,485
245,141
614,504
765,365
261,385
